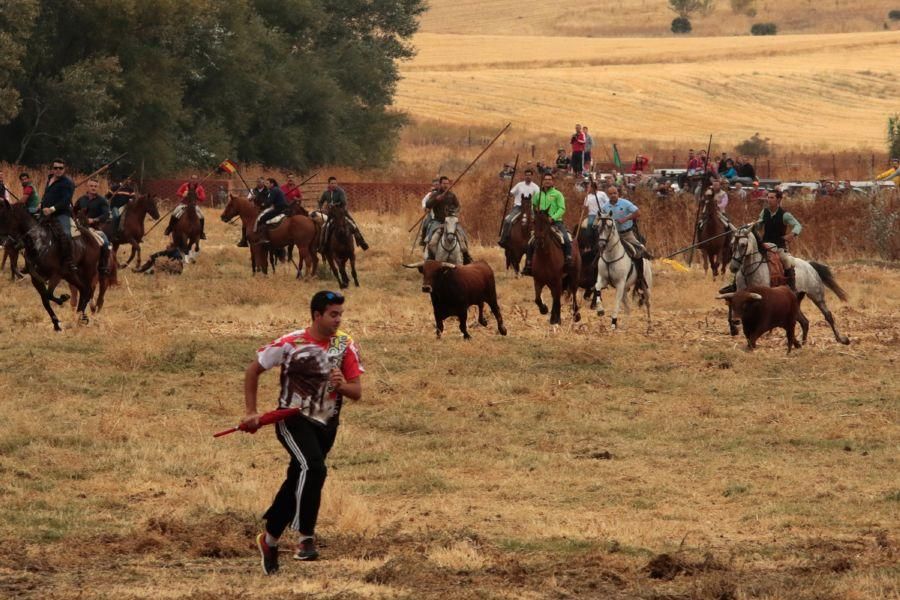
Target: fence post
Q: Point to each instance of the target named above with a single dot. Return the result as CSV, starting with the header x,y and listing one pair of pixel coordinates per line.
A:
x,y
532,151
768,169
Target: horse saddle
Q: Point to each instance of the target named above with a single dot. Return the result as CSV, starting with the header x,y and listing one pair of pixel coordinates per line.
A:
x,y
275,221
77,231
319,217
776,267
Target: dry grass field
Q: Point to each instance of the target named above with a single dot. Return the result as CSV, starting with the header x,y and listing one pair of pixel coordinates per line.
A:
x,y
596,18
819,91
579,463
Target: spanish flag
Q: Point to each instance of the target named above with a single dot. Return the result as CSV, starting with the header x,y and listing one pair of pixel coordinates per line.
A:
x,y
228,167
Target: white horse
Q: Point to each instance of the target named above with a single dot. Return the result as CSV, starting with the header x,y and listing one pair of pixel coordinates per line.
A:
x,y
751,268
615,268
444,244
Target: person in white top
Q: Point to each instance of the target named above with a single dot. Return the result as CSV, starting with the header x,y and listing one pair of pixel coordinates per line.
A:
x,y
594,202
522,191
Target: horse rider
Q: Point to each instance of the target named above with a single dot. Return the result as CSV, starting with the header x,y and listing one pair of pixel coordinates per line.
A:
x,y
334,195
774,222
94,208
120,196
4,191
550,200
29,195
188,186
720,197
275,204
429,214
292,194
443,203
57,203
258,196
523,189
624,212
594,203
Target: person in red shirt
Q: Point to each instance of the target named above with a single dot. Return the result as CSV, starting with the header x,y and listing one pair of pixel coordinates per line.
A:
x,y
640,165
292,194
578,141
192,185
320,365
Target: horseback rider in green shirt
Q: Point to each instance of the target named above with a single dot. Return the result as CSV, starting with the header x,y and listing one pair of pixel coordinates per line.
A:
x,y
551,201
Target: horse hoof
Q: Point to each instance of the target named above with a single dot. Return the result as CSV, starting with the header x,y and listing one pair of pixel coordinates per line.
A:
x,y
64,298
543,310
577,317
501,329
483,322
601,312
844,340
83,320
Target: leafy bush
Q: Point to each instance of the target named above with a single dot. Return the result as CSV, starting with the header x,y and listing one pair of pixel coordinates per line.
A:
x,y
743,7
894,15
755,146
893,136
764,29
681,25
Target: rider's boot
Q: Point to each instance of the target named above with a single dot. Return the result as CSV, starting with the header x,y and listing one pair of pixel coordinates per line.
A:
x,y
202,229
359,240
529,254
467,258
103,265
170,226
67,255
791,276
567,252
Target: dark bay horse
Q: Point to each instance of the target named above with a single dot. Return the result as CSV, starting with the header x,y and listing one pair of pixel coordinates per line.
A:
x,y
11,252
549,269
519,234
187,230
716,252
341,247
131,229
42,258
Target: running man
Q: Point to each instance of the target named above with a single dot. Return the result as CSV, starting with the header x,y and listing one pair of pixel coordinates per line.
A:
x,y
318,392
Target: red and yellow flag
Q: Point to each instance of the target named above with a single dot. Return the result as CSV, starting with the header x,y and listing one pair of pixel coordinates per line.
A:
x,y
228,167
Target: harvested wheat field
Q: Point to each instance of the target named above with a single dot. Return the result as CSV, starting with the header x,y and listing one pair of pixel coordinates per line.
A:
x,y
824,91
577,463
649,17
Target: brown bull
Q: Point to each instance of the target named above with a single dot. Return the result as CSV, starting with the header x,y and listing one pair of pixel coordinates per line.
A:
x,y
762,309
454,288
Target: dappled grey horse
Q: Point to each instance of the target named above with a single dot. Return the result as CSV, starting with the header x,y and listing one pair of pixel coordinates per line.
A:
x,y
750,267
615,268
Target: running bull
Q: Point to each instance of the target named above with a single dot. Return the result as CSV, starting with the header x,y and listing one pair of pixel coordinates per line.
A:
x,y
454,288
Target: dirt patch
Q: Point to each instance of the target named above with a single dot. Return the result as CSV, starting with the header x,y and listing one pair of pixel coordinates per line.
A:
x,y
669,566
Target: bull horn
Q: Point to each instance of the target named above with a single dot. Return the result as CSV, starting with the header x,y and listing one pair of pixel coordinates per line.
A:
x,y
755,296
727,296
448,265
415,265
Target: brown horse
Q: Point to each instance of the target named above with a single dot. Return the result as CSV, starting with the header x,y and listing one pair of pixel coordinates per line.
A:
x,y
549,269
341,247
519,234
187,230
247,210
131,228
716,252
11,252
298,230
42,258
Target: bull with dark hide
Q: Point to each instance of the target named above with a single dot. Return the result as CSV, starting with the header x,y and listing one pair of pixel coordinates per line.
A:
x,y
762,309
454,288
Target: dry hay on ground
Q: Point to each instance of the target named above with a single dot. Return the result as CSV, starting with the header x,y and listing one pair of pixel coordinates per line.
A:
x,y
537,465
828,91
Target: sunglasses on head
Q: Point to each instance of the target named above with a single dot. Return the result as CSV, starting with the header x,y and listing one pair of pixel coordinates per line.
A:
x,y
333,296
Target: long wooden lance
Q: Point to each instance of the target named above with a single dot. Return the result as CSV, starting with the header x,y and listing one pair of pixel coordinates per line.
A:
x,y
512,180
699,203
101,169
466,170
698,244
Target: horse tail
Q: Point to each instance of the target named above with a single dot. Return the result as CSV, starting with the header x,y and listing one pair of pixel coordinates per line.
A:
x,y
828,279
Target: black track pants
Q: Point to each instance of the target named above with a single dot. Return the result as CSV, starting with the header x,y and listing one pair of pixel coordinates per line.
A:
x,y
297,502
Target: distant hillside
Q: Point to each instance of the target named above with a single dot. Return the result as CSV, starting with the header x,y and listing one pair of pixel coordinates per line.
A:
x,y
594,18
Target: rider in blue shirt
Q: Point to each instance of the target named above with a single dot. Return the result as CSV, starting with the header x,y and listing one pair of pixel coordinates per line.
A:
x,y
624,212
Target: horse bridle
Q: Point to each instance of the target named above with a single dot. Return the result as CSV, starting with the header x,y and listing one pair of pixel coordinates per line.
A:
x,y
739,260
600,252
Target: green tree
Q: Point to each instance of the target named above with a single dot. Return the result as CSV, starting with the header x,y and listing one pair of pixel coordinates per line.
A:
x,y
686,8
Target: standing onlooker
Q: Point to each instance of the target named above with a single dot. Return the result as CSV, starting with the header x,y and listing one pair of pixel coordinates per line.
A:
x,y
588,149
578,142
745,168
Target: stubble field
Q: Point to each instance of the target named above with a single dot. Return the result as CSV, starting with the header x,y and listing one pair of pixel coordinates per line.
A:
x,y
828,91
539,465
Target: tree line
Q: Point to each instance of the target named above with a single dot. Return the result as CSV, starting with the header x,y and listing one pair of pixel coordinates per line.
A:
x,y
187,83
